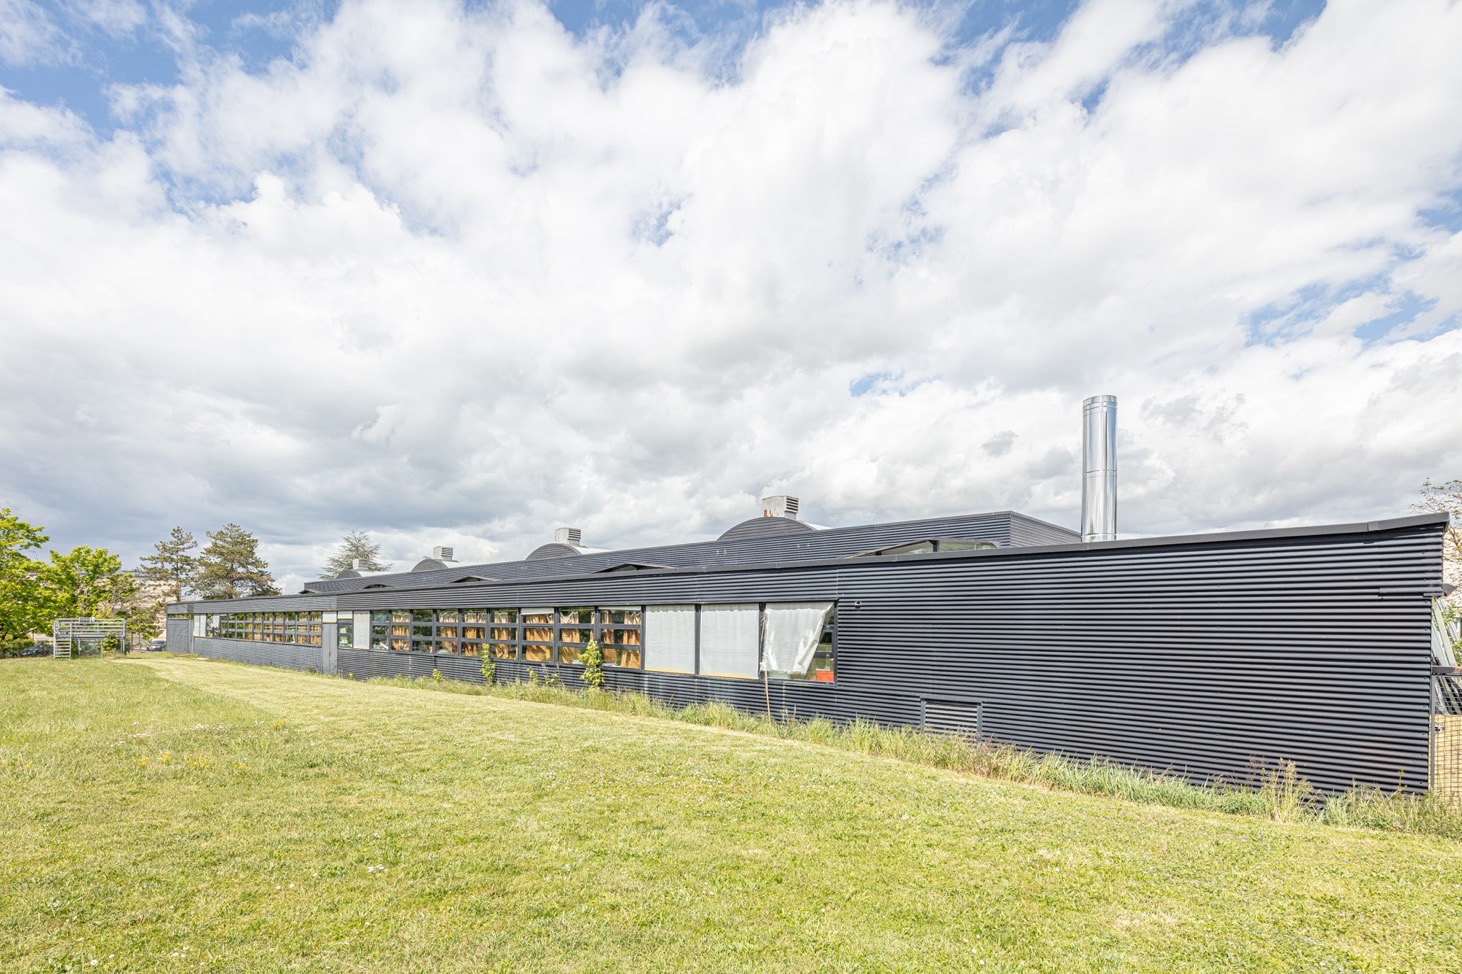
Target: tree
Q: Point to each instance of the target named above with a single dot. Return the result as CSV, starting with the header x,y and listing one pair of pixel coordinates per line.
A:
x,y
21,606
355,545
172,563
85,582
230,566
1447,499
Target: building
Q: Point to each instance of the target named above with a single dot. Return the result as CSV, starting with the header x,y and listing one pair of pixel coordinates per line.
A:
x,y
1210,655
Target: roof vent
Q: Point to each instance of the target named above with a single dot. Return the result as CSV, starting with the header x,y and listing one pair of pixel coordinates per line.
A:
x,y
355,564
571,536
779,505
442,553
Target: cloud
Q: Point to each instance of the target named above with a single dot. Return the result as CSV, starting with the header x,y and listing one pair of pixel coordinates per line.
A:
x,y
28,35
457,275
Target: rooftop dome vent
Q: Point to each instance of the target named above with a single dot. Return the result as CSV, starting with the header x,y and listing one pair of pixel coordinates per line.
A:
x,y
778,516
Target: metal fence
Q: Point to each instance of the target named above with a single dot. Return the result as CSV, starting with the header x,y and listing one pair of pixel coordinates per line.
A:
x,y
1446,750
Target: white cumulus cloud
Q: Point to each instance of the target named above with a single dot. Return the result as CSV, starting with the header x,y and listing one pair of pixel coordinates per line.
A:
x,y
456,275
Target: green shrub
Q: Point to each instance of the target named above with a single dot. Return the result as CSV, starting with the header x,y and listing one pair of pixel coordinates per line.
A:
x,y
593,659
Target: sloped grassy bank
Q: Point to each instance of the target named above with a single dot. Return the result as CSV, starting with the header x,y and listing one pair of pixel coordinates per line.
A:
x,y
190,815
1276,793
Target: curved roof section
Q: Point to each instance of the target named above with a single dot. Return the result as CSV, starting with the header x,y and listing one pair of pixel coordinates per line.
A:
x,y
1002,528
554,549
428,565
761,527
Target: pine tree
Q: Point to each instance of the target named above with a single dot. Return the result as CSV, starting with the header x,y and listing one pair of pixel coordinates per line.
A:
x,y
172,563
357,545
230,567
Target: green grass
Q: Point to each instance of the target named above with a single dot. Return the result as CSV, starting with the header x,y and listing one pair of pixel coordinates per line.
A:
x,y
1278,793
188,815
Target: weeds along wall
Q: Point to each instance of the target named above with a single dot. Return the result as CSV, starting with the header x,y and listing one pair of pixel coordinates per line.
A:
x,y
1210,656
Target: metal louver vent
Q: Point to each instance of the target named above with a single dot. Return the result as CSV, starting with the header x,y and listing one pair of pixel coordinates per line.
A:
x,y
958,717
779,505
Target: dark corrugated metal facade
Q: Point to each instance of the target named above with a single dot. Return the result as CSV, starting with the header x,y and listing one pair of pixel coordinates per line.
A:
x,y
1206,655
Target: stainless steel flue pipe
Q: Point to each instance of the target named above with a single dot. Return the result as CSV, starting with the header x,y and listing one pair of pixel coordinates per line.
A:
x,y
1099,469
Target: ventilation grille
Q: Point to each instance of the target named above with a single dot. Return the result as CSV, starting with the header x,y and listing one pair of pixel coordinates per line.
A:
x,y
779,505
568,536
961,718
442,553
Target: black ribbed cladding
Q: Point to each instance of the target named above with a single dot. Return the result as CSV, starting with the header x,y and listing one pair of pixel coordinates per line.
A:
x,y
285,655
1205,655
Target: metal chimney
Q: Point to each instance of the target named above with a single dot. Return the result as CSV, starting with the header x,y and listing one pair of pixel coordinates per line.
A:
x,y
1099,469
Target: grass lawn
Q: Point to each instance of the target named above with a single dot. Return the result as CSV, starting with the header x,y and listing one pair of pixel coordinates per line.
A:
x,y
177,814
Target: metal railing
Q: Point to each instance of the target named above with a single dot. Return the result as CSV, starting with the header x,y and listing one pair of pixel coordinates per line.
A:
x,y
1446,743
85,636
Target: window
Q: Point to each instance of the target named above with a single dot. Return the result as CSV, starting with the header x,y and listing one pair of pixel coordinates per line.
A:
x,y
344,633
400,631
474,631
380,631
792,635
448,631
619,636
503,634
670,638
538,635
575,629
730,640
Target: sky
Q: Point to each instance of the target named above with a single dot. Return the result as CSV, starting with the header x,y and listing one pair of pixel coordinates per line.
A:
x,y
462,273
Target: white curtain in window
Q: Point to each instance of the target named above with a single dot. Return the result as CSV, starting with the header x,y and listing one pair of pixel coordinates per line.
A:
x,y
792,634
729,638
670,638
361,635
